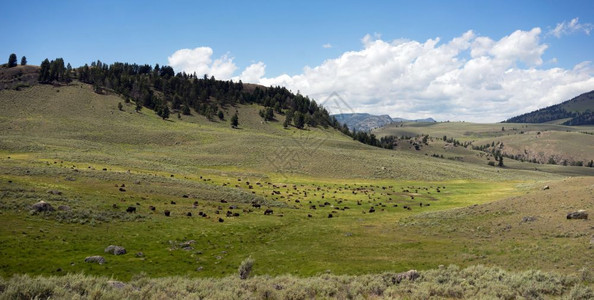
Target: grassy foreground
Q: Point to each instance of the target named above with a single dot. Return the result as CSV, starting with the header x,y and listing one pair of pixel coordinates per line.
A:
x,y
477,282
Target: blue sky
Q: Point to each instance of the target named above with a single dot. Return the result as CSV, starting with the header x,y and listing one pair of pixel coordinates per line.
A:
x,y
277,40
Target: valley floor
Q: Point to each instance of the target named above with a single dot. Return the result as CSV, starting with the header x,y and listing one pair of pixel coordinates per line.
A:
x,y
301,203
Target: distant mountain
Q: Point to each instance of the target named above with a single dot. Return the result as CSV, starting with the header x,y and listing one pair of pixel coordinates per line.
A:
x,y
367,122
577,111
427,120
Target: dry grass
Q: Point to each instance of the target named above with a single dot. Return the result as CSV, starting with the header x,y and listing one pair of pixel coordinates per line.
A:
x,y
477,282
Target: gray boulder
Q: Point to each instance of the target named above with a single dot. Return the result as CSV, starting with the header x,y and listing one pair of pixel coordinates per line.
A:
x,y
408,275
64,207
528,219
95,259
115,250
42,206
577,215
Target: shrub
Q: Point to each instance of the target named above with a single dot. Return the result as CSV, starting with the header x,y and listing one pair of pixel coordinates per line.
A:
x,y
245,268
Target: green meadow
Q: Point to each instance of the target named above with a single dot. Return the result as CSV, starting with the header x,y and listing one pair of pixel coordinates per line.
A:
x,y
338,206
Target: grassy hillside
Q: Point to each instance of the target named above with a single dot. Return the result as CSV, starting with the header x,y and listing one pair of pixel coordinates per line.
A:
x,y
527,142
577,111
18,77
71,147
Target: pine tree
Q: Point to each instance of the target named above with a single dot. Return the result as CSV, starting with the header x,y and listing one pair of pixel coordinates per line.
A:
x,y
235,120
221,115
44,72
299,120
165,112
23,61
12,60
186,110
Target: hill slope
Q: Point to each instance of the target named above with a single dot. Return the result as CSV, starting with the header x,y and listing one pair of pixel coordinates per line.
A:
x,y
327,193
44,119
546,147
577,111
18,77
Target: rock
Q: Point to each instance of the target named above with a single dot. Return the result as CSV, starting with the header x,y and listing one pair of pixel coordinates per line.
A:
x,y
546,187
528,219
580,214
95,259
115,250
116,284
64,207
139,254
54,192
409,275
42,206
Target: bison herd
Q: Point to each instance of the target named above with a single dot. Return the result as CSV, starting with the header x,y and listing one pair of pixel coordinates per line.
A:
x,y
317,197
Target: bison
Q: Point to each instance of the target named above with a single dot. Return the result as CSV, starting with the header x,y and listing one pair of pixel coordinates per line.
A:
x,y
131,209
268,212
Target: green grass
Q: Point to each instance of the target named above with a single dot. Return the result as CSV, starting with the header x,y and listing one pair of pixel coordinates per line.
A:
x,y
534,141
63,138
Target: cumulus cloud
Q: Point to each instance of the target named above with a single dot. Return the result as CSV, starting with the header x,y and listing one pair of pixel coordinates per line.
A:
x,y
199,60
573,26
470,77
252,73
327,46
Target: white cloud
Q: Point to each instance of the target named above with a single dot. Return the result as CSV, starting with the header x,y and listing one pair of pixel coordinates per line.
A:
x,y
327,46
404,78
253,73
199,60
472,78
565,28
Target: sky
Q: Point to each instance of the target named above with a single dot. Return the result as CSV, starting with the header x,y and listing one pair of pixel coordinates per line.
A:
x,y
476,61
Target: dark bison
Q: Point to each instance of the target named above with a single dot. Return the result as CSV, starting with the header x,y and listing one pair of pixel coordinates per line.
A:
x,y
167,213
131,209
152,208
268,212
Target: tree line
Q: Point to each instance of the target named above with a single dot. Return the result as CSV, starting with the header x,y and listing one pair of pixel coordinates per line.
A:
x,y
160,89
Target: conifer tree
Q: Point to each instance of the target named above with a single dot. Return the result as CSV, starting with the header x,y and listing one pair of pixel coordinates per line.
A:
x,y
12,60
235,120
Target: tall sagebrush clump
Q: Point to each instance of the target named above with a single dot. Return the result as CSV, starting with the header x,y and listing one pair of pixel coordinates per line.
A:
x,y
245,268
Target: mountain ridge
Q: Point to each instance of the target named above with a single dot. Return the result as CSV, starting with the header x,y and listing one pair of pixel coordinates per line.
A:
x,y
576,111
367,122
